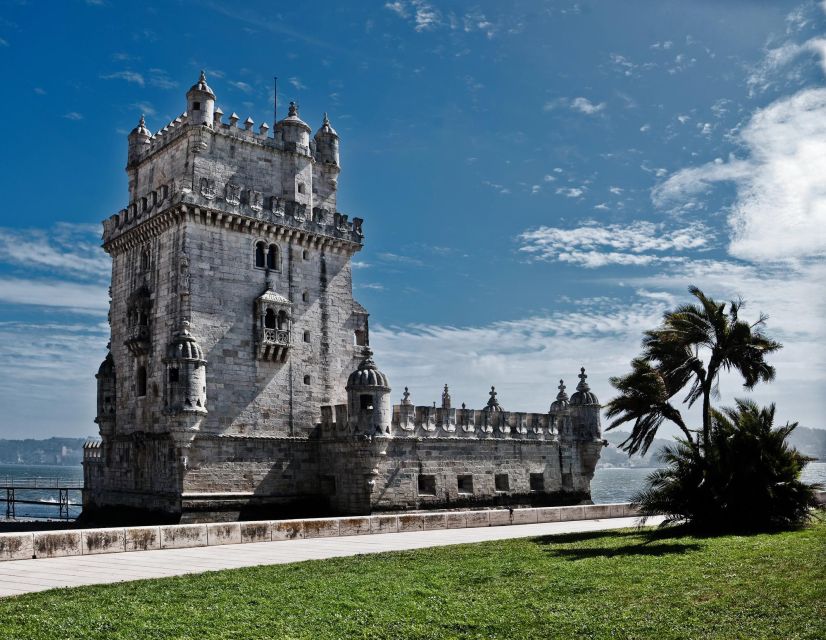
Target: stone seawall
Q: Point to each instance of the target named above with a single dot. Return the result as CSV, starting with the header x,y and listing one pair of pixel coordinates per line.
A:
x,y
75,542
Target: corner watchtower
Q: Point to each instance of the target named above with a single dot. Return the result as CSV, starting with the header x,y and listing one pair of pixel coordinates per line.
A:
x,y
200,103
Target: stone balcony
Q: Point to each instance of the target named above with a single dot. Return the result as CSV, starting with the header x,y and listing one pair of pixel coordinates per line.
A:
x,y
137,340
274,344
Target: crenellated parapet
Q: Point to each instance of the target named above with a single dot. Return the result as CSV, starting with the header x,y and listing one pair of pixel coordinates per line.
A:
x,y
562,421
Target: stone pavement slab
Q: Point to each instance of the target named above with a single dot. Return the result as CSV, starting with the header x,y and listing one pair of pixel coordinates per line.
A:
x,y
25,576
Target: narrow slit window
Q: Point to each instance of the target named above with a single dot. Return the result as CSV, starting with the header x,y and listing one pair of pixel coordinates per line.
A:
x,y
259,255
140,382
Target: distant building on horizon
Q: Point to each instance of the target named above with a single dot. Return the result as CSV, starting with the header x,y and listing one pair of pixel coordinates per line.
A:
x,y
239,381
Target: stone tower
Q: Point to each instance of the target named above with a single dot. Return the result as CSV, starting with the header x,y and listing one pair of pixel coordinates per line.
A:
x,y
232,315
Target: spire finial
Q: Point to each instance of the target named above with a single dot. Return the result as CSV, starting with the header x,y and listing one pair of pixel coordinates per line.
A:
x,y
561,395
406,397
493,403
445,398
293,110
142,121
203,77
326,119
583,385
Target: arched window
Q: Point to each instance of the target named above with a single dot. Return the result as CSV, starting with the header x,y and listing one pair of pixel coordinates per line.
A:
x,y
282,320
272,257
269,319
145,260
140,382
260,250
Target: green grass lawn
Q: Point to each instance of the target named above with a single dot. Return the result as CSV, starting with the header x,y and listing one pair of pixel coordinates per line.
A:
x,y
599,585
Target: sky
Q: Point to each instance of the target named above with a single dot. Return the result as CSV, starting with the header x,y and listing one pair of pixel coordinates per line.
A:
x,y
539,181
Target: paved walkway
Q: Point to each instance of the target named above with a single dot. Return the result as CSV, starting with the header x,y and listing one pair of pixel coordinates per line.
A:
x,y
24,576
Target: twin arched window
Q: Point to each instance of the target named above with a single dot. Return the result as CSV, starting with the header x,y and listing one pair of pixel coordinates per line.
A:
x,y
266,256
278,321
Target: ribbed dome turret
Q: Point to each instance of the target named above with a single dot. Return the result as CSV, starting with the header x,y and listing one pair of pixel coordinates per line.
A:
x,y
367,374
292,119
201,87
583,394
326,129
184,347
140,130
561,402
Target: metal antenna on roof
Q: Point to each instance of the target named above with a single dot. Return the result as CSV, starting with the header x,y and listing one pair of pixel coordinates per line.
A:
x,y
274,101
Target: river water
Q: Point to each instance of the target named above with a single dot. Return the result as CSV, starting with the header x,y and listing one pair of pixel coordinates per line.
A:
x,y
608,485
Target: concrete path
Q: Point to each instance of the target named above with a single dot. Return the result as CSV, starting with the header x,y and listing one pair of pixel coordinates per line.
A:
x,y
24,576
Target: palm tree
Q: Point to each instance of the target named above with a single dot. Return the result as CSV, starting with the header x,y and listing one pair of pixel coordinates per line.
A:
x,y
747,478
694,343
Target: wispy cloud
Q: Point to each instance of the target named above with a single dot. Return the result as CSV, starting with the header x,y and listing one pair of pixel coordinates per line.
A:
x,y
73,296
242,86
64,249
593,245
160,79
570,192
73,115
129,76
297,84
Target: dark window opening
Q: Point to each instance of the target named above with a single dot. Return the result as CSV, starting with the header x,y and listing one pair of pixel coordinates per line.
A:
x,y
465,483
145,260
305,255
537,482
173,375
282,320
360,338
501,481
140,382
427,485
196,106
272,257
269,319
259,255
306,336
300,187
306,379
366,402
305,297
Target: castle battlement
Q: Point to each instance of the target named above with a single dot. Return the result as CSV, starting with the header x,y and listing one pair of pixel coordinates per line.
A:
x,y
579,420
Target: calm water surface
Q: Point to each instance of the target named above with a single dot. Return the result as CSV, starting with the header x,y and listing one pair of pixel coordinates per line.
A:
x,y
608,485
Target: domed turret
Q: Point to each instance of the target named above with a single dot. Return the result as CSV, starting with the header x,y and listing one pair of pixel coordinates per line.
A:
x,y
368,399
138,140
107,388
200,103
583,394
294,131
186,374
561,402
326,141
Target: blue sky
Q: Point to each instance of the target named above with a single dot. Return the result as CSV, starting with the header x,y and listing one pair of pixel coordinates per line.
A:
x,y
539,181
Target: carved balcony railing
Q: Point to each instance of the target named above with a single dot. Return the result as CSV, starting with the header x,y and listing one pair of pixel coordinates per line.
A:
x,y
274,344
137,340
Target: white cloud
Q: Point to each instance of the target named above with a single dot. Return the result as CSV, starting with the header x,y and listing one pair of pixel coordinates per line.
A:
x,y
397,7
145,108
242,86
296,82
592,246
583,105
159,78
764,74
63,250
82,298
780,209
580,104
129,76
570,192
426,16
73,115
524,358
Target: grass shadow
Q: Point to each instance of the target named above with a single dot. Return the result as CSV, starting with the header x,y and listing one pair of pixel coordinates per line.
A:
x,y
655,542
